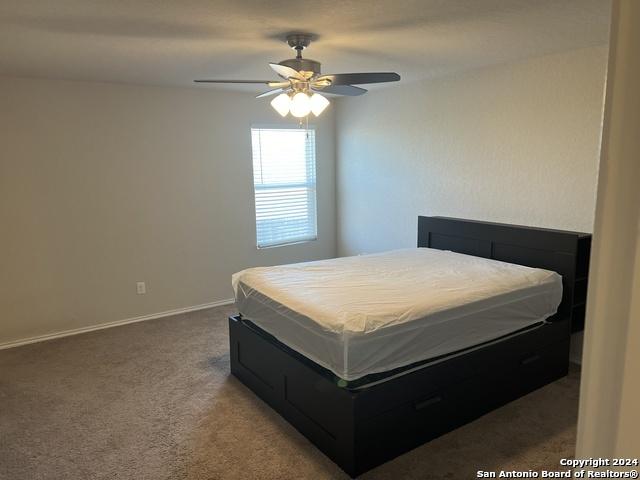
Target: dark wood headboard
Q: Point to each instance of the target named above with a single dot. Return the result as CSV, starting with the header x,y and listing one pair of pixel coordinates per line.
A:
x,y
566,253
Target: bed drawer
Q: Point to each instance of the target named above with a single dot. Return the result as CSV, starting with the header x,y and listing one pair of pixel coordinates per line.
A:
x,y
531,369
257,359
433,413
501,358
393,432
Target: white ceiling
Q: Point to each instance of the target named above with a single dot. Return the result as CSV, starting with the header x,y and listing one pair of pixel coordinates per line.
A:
x,y
172,42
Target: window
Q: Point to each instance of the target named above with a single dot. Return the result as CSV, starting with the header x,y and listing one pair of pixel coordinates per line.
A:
x,y
284,179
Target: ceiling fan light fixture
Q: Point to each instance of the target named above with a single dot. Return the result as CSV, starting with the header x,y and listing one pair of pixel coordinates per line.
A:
x,y
300,105
318,104
281,104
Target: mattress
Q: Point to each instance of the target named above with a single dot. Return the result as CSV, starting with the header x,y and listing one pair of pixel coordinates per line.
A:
x,y
367,314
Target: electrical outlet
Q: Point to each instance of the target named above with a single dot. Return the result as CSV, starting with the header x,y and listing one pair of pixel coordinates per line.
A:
x,y
141,288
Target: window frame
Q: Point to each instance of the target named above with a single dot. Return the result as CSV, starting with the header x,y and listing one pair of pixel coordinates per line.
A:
x,y
313,191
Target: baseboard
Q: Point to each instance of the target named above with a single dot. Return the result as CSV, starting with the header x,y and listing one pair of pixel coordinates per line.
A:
x,y
116,323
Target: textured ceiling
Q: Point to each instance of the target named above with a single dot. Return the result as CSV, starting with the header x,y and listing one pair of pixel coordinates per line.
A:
x,y
172,42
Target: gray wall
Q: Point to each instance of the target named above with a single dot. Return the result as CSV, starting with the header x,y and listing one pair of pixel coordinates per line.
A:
x,y
516,143
103,185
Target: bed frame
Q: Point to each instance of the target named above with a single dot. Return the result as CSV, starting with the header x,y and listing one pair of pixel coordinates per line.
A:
x,y
361,428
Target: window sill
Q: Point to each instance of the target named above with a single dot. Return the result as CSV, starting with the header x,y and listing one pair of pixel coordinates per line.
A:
x,y
296,242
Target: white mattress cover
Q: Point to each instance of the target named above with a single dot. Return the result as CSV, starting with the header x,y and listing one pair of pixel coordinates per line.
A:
x,y
372,313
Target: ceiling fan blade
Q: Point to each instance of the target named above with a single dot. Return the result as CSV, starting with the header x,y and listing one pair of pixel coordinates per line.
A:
x,y
265,82
360,78
348,90
271,92
287,72
280,84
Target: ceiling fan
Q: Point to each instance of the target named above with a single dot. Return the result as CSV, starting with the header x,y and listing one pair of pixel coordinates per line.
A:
x,y
299,91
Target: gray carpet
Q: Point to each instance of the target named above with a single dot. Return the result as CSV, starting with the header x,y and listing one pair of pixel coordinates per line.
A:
x,y
155,400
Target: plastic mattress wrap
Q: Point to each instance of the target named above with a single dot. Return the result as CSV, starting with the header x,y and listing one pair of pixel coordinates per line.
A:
x,y
372,313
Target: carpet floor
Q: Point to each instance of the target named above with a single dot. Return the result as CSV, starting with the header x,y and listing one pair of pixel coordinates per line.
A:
x,y
155,400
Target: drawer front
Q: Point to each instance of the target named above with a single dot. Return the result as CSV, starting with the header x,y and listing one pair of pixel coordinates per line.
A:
x,y
430,415
530,370
318,402
258,359
502,357
405,427
311,403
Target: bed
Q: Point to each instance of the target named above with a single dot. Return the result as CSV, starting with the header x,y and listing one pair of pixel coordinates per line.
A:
x,y
371,356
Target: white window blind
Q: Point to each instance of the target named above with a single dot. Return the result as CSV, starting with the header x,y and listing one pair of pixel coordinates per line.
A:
x,y
284,178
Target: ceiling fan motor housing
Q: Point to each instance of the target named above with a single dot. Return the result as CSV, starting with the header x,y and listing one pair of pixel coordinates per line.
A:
x,y
306,66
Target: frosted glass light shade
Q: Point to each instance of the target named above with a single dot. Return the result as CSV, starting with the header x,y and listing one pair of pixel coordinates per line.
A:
x,y
281,104
318,104
300,105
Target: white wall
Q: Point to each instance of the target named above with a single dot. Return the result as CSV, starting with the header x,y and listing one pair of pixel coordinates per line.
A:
x,y
516,143
103,185
609,419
